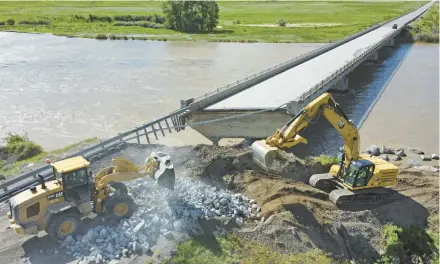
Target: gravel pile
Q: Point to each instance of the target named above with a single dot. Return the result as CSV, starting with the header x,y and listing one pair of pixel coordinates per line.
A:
x,y
160,212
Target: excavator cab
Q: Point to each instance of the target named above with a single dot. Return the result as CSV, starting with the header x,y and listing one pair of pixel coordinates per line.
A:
x,y
75,178
359,173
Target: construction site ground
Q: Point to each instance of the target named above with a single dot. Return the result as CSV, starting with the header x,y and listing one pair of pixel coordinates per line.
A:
x,y
296,217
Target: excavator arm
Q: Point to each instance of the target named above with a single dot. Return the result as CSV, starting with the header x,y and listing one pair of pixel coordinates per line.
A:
x,y
264,151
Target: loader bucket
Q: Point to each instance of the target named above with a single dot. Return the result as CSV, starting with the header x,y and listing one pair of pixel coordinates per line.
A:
x,y
263,154
165,175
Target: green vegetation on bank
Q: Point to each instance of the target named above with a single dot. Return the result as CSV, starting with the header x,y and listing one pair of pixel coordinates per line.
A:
x,y
231,249
327,160
19,151
404,245
271,21
426,28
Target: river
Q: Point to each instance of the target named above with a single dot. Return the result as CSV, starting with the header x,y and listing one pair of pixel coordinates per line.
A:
x,y
61,90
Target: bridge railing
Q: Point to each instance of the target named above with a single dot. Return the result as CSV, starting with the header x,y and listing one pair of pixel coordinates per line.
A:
x,y
146,133
357,60
225,91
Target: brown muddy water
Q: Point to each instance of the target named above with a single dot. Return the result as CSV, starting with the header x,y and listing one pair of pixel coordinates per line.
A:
x,y
62,90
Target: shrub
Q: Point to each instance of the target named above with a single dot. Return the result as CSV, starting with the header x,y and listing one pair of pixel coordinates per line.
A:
x,y
101,36
138,24
10,21
282,23
93,18
2,23
34,23
21,147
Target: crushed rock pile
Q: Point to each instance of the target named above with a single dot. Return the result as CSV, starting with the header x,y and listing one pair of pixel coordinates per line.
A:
x,y
160,212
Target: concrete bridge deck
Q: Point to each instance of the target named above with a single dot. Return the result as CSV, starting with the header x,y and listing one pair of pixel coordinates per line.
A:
x,y
291,84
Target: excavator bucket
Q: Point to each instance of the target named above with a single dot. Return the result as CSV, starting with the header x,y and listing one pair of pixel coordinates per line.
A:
x,y
263,154
164,175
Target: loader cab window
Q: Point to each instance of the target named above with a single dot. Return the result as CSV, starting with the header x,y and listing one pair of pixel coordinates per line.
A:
x,y
76,186
75,179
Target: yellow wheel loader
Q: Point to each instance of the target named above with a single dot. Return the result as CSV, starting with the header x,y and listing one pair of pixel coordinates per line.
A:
x,y
357,180
57,206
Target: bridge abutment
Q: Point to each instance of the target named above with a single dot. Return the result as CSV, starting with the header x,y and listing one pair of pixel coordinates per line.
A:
x,y
373,57
389,43
341,85
259,125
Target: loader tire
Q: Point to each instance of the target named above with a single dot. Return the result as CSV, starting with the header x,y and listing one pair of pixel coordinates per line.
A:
x,y
63,225
119,186
120,206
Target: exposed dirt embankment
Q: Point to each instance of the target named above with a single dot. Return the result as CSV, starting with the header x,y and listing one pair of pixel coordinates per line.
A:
x,y
295,216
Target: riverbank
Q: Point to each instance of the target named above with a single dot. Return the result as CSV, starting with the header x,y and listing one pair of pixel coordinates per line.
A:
x,y
239,21
426,29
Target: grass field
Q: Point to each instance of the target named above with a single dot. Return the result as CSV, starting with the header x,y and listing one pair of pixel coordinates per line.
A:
x,y
426,29
239,21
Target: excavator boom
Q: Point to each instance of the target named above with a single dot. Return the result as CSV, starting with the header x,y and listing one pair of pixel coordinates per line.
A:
x,y
264,151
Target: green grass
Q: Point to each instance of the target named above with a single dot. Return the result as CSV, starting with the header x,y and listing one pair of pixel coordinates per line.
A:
x,y
426,29
236,18
11,169
231,249
327,160
403,244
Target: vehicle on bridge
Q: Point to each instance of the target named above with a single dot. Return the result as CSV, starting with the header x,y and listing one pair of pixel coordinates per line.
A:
x,y
358,179
57,206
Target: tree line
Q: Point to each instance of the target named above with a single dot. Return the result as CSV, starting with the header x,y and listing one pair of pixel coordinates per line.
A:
x,y
191,16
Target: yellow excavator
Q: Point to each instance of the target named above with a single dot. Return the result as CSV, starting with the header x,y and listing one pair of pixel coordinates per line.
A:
x,y
358,179
57,206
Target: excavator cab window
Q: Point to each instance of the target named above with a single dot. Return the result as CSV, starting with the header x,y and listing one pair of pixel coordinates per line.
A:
x,y
358,175
76,186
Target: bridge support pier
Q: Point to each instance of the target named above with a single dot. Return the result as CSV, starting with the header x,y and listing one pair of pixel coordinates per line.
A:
x,y
341,85
373,57
390,43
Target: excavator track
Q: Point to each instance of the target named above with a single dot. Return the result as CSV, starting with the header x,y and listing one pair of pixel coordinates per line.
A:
x,y
321,181
360,199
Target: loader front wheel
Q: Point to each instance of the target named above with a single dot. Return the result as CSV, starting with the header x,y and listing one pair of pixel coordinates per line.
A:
x,y
63,225
120,206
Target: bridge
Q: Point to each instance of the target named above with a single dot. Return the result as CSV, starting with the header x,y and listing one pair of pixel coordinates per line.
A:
x,y
270,97
254,107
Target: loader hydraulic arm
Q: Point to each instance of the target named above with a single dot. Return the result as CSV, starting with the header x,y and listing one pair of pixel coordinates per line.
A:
x,y
156,166
288,136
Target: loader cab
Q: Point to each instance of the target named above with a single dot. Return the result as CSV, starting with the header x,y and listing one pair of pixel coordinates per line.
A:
x,y
74,175
359,173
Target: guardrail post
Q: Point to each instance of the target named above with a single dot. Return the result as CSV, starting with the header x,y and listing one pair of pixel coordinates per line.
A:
x,y
161,130
173,120
137,137
146,135
154,131
168,126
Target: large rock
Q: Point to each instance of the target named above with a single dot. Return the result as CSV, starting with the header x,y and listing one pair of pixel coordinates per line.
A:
x,y
434,156
400,152
385,150
373,150
425,158
417,151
